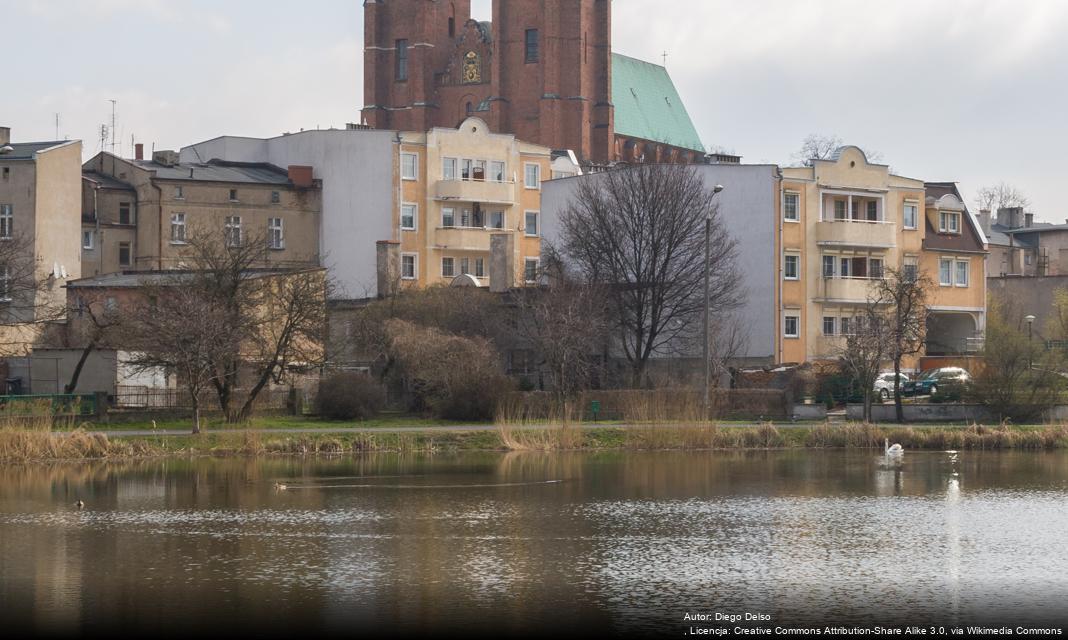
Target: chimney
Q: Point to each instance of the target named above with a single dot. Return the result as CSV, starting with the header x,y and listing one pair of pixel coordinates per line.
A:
x,y
389,268
5,136
984,220
139,151
1029,220
502,262
302,177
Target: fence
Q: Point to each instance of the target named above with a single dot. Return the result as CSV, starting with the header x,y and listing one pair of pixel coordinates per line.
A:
x,y
62,405
670,404
140,398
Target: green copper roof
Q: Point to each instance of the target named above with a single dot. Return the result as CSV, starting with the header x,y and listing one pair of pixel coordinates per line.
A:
x,y
648,106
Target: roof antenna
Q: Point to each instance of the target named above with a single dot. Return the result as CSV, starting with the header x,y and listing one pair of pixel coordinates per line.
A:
x,y
665,57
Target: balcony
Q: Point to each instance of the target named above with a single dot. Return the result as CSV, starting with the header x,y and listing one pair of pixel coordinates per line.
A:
x,y
850,290
464,238
856,233
488,192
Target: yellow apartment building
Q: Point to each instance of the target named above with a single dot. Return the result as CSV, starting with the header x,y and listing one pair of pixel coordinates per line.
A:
x,y
457,189
845,221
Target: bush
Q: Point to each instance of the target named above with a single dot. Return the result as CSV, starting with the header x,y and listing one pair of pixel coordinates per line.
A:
x,y
350,396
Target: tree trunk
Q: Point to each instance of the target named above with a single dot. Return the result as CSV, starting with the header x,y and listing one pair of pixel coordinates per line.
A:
x,y
73,384
898,409
196,415
867,406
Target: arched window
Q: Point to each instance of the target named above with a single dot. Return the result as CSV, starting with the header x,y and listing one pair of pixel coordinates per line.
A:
x,y
470,108
452,27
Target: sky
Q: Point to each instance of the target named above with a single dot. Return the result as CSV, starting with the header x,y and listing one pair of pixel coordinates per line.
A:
x,y
972,91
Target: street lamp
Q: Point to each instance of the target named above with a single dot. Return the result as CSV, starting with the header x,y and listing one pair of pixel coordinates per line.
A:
x,y
708,302
1030,320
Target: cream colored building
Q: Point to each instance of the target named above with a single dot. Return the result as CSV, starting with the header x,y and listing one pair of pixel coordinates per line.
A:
x,y
456,189
39,213
139,214
845,221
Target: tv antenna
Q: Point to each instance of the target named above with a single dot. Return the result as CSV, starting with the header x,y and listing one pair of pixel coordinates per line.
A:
x,y
665,57
113,103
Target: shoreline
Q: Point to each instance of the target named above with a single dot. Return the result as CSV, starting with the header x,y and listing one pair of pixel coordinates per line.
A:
x,y
22,446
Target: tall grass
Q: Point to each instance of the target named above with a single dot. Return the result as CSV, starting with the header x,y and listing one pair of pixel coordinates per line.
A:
x,y
520,430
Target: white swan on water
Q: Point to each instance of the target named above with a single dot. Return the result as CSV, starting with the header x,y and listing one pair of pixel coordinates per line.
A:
x,y
895,450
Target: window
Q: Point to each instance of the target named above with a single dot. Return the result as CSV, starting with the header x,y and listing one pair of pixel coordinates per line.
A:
x,y
448,217
532,176
945,272
7,172
7,222
409,166
448,267
792,326
1027,258
846,270
480,267
448,169
531,45
948,222
531,224
828,266
873,211
177,228
87,240
276,197
530,270
875,268
408,212
839,209
276,238
179,193
911,213
465,266
408,266
232,231
465,169
830,325
233,195
478,170
912,268
791,207
845,326
124,254
124,213
465,218
497,220
792,267
5,284
962,273
401,71
497,171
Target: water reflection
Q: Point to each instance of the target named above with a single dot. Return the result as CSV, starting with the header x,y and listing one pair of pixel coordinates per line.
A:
x,y
620,540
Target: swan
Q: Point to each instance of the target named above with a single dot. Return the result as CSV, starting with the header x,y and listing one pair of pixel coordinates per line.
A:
x,y
895,450
278,486
79,505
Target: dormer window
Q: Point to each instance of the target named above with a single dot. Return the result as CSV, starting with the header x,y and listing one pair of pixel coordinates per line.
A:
x,y
948,222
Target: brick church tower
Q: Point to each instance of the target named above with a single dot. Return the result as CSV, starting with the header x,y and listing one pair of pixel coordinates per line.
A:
x,y
541,70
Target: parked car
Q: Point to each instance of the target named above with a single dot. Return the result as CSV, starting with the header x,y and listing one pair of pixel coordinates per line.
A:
x,y
929,382
884,385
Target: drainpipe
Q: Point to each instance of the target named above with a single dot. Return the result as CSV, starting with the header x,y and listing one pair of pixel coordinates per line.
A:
x,y
99,239
779,284
159,236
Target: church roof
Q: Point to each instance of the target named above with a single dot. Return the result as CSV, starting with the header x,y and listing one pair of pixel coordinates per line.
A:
x,y
648,106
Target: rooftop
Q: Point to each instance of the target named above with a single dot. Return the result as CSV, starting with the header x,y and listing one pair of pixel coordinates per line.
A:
x,y
648,105
26,150
106,182
135,279
218,171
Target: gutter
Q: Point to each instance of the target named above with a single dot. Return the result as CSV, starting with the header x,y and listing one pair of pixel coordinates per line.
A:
x,y
159,235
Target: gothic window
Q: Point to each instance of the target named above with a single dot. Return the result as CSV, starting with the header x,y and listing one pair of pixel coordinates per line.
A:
x,y
532,45
402,60
472,73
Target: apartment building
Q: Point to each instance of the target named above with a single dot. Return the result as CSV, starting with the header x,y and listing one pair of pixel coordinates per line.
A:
x,y
38,225
413,209
845,221
139,214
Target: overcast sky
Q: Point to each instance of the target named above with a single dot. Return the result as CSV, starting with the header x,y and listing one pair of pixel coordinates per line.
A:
x,y
965,90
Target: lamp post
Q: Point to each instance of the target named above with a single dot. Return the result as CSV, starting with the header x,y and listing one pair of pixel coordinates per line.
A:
x,y
708,302
1030,320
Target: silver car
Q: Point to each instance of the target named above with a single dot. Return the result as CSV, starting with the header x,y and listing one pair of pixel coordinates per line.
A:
x,y
884,385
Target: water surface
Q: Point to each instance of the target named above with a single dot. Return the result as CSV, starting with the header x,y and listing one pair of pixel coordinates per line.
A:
x,y
509,543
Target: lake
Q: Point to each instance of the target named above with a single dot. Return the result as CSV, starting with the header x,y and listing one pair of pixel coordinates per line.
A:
x,y
511,543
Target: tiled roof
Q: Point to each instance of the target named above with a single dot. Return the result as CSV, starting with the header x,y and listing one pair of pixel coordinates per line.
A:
x,y
648,106
106,182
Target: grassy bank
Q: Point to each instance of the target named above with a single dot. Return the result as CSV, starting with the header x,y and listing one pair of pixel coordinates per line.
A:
x,y
19,445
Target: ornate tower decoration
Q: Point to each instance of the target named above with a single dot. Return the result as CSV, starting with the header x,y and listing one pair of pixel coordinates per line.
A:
x,y
472,69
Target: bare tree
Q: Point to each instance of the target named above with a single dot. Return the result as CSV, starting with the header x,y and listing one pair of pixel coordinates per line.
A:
x,y
902,299
866,348
822,147
639,233
93,321
31,296
1001,196
566,325
728,339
